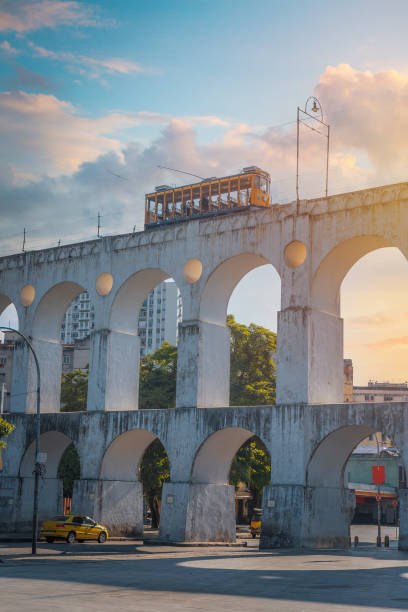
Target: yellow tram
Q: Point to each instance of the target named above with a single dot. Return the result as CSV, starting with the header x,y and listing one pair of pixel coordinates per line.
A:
x,y
251,187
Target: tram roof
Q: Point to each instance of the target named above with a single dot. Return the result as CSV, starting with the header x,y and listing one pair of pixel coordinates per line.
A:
x,y
213,179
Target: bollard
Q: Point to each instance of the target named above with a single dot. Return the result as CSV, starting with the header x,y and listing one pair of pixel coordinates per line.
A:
x,y
387,541
355,541
379,541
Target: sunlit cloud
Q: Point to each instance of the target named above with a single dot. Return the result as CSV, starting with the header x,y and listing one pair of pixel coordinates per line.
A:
x,y
372,321
388,342
28,15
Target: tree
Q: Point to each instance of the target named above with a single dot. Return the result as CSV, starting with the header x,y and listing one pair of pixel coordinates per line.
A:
x,y
74,390
69,469
5,430
154,471
252,466
252,369
158,373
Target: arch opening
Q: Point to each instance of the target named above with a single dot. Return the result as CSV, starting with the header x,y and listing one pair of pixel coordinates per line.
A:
x,y
135,465
76,328
51,492
355,476
9,342
252,320
233,465
222,282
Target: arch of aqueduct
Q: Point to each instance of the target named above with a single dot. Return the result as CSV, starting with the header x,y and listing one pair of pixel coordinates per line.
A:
x,y
309,432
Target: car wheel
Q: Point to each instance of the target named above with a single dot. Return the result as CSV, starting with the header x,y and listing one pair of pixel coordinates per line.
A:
x,y
71,537
102,537
50,540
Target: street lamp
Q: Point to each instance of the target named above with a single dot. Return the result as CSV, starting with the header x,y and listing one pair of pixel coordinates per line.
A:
x,y
37,463
313,110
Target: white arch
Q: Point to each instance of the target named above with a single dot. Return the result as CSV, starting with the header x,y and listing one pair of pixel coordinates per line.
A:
x,y
212,463
123,457
51,309
327,279
4,302
327,463
221,283
54,443
130,297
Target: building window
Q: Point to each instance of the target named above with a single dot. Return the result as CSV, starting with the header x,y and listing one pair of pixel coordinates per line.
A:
x,y
67,359
367,397
388,398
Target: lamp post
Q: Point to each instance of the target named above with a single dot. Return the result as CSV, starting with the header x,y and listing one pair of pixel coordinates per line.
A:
x,y
316,109
37,465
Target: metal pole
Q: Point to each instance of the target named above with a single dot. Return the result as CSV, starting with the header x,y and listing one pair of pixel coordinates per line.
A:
x,y
3,389
297,158
378,498
37,441
327,160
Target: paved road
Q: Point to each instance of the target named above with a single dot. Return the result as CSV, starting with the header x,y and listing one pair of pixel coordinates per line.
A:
x,y
127,576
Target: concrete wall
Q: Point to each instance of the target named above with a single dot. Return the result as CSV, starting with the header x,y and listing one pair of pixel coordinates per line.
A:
x,y
306,504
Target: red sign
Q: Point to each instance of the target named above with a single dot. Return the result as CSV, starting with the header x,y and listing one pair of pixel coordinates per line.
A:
x,y
395,502
378,498
378,474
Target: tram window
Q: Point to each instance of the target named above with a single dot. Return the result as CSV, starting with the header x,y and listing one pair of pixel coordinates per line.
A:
x,y
263,184
256,182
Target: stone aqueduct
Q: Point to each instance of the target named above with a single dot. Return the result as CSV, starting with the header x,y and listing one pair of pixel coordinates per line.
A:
x,y
310,433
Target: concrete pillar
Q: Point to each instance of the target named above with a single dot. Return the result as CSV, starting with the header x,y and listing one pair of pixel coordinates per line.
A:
x,y
203,365
49,502
295,516
403,518
116,504
327,516
113,371
197,513
24,379
282,516
310,357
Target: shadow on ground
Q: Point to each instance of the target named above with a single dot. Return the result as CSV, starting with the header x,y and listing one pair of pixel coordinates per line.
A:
x,y
381,581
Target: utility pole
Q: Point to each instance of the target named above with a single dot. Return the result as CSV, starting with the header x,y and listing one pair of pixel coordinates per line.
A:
x,y
318,112
24,239
99,224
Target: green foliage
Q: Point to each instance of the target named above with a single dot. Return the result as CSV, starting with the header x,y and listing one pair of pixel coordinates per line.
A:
x,y
69,469
253,372
74,390
252,466
154,471
5,430
158,373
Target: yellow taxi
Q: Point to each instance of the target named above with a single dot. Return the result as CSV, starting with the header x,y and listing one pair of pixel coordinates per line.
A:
x,y
73,527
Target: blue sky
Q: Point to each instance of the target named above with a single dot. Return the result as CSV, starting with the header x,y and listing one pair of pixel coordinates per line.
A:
x,y
88,89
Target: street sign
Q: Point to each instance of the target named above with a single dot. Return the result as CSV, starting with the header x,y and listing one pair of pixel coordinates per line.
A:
x,y
395,502
378,474
378,498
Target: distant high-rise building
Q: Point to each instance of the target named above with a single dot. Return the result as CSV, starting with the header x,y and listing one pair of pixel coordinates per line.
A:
x,y
158,320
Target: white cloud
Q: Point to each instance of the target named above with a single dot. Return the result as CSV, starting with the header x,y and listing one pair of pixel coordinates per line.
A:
x,y
94,67
29,15
7,48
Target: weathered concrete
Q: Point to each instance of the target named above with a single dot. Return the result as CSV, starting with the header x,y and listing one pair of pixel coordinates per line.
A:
x,y
334,233
306,504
